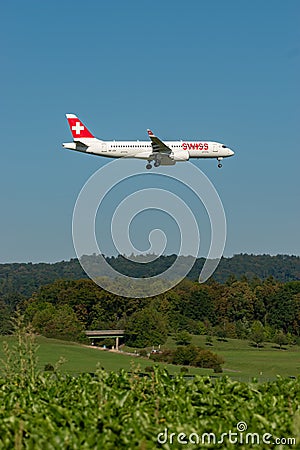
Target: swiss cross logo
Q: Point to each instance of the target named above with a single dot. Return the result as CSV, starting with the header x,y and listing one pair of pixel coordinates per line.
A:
x,y
78,127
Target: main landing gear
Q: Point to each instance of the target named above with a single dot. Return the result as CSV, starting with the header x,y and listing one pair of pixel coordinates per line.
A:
x,y
156,164
220,164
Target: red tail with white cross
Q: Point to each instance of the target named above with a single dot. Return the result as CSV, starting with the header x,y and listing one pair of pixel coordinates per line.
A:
x,y
77,128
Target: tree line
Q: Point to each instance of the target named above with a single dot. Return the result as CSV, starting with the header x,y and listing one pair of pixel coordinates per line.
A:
x,y
238,308
23,279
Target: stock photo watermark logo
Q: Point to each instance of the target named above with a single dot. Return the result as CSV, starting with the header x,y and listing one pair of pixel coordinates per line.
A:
x,y
239,436
103,182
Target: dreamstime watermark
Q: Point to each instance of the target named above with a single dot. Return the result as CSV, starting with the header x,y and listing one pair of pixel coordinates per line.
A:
x,y
240,436
102,183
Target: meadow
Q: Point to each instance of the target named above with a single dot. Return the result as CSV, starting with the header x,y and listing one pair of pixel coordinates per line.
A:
x,y
80,358
242,361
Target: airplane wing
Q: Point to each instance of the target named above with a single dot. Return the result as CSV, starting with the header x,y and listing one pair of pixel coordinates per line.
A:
x,y
157,145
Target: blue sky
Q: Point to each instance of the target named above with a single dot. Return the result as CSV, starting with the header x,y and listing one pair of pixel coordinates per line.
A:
x,y
224,71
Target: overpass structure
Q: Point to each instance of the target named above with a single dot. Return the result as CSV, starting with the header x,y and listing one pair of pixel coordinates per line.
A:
x,y
105,334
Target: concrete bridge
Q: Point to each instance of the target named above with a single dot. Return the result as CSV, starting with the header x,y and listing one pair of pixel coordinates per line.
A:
x,y
105,334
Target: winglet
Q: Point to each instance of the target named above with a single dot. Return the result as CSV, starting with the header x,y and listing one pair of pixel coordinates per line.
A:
x,y
77,128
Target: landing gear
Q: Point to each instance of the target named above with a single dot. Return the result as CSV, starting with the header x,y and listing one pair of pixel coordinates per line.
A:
x,y
156,164
220,164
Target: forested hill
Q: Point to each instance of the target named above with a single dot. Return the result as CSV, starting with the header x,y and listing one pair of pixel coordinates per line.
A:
x,y
25,278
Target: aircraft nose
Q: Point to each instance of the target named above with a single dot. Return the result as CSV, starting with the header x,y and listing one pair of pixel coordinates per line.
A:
x,y
230,152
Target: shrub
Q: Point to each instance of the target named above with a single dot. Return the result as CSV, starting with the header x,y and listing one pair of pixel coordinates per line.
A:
x,y
208,360
164,356
218,369
185,355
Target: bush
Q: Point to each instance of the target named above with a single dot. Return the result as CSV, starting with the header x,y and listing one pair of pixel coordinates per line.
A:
x,y
190,355
185,355
208,360
218,369
164,356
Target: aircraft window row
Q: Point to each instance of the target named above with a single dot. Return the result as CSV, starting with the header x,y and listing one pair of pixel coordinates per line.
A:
x,y
137,145
142,145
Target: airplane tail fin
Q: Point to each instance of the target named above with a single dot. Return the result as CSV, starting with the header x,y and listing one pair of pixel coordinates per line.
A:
x,y
77,128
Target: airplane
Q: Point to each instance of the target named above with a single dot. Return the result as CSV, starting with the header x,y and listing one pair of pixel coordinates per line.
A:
x,y
156,151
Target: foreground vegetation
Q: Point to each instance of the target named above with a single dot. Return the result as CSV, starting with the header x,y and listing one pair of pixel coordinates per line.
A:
x,y
123,411
50,409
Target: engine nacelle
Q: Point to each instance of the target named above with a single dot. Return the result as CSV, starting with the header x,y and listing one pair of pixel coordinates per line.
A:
x,y
181,155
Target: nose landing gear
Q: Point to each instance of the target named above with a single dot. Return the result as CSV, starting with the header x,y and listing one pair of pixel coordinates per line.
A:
x,y
220,164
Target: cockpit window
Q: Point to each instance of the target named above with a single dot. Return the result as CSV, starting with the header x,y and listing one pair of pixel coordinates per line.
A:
x,y
224,146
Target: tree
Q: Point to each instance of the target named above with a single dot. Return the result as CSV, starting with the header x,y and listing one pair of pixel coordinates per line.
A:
x,y
183,338
146,328
61,323
239,300
257,333
280,339
282,311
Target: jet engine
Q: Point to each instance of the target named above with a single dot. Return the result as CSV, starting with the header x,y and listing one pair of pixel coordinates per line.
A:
x,y
180,156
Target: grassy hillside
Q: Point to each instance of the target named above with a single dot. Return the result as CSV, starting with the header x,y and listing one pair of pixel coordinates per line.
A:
x,y
79,358
242,362
245,362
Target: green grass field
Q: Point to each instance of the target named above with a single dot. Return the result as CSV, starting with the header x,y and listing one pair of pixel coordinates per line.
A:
x,y
242,362
81,358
